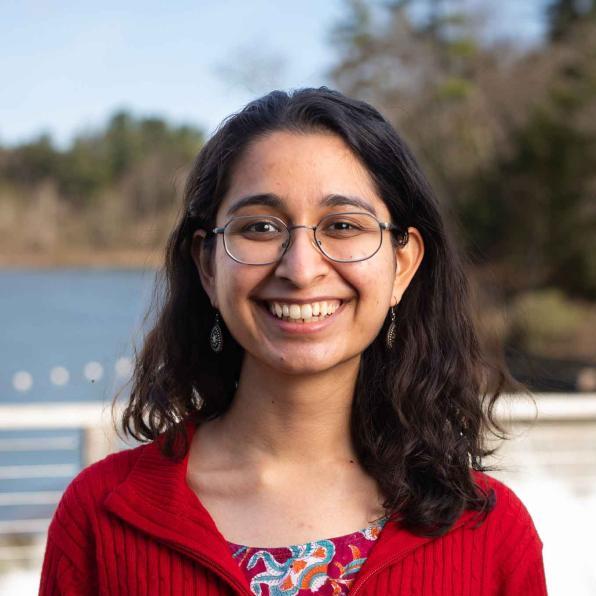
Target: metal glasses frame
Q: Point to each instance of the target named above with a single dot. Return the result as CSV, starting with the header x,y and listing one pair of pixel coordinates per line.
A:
x,y
383,225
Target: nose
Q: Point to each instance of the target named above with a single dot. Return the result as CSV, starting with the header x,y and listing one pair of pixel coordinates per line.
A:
x,y
302,263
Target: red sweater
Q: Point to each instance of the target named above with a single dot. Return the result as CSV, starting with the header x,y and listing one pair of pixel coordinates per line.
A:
x,y
130,525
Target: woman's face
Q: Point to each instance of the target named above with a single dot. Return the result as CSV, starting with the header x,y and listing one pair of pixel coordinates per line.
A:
x,y
302,170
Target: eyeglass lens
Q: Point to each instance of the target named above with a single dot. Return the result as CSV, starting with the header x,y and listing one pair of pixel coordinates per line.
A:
x,y
340,236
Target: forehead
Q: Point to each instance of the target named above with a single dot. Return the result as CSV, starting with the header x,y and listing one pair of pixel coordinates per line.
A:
x,y
302,169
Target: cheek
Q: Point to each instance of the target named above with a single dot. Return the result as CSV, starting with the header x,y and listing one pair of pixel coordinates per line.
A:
x,y
226,280
372,279
235,283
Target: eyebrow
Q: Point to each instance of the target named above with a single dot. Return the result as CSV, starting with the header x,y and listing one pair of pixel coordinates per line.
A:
x,y
275,202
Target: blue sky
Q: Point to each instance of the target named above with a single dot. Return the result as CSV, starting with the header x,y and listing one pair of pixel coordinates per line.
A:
x,y
66,66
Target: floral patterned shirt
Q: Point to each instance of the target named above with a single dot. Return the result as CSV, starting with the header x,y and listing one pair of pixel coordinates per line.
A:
x,y
322,567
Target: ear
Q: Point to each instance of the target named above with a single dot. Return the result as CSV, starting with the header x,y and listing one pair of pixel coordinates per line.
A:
x,y
408,259
203,260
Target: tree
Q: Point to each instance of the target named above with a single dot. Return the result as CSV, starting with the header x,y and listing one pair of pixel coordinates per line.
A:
x,y
563,15
141,154
31,162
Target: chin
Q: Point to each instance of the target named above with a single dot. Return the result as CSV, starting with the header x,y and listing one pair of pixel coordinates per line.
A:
x,y
297,367
309,363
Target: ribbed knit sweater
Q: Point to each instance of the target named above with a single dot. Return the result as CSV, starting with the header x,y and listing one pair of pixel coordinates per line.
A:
x,y
130,525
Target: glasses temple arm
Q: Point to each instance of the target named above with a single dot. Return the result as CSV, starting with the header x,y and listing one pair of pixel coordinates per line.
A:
x,y
391,226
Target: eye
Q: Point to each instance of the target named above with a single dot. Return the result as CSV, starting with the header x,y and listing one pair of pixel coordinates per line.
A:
x,y
344,225
255,228
261,227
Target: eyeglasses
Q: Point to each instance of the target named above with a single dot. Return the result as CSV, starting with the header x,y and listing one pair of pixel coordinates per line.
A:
x,y
341,237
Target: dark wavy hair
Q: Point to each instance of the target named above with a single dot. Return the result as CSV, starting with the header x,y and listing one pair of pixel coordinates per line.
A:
x,y
420,412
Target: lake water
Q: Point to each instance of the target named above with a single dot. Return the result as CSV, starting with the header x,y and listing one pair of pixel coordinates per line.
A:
x,y
69,319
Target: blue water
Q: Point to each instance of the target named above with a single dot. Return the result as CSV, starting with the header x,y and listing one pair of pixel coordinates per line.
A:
x,y
65,318
68,317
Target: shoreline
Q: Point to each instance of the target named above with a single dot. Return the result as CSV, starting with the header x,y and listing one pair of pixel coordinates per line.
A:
x,y
103,259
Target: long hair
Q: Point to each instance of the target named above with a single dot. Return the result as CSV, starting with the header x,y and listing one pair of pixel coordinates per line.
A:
x,y
420,412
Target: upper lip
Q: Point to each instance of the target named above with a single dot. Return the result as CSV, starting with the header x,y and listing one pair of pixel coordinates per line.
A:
x,y
302,300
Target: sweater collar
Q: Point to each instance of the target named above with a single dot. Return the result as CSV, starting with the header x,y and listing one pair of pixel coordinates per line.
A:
x,y
156,499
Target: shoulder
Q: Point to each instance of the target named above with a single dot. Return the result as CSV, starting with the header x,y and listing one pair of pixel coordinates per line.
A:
x,y
512,540
70,548
510,528
80,502
96,480
508,511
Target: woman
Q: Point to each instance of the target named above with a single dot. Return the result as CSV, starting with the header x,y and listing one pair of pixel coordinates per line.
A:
x,y
312,387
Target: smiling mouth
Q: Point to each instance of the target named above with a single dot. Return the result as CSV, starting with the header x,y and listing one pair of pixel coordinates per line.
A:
x,y
302,313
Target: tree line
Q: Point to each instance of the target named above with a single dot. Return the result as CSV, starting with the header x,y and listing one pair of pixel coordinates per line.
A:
x,y
115,188
98,161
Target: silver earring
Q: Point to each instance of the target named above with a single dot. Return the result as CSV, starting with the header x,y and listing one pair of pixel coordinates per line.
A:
x,y
392,331
216,335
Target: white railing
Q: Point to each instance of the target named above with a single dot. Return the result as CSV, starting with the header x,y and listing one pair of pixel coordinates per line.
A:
x,y
548,406
92,418
23,539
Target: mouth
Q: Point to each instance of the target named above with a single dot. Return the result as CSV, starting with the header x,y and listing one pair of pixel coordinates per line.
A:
x,y
301,313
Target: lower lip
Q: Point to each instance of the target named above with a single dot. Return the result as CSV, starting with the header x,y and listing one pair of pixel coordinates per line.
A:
x,y
302,328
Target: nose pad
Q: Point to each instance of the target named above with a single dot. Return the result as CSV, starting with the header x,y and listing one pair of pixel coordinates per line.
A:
x,y
285,245
306,263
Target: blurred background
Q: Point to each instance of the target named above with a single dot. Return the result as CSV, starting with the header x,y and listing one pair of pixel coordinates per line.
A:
x,y
104,107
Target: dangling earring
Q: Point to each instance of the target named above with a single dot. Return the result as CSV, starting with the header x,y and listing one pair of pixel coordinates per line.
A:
x,y
216,335
391,332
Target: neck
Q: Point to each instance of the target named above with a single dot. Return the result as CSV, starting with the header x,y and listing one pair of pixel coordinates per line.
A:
x,y
291,418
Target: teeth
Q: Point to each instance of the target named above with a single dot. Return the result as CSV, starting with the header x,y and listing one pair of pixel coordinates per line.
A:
x,y
305,312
